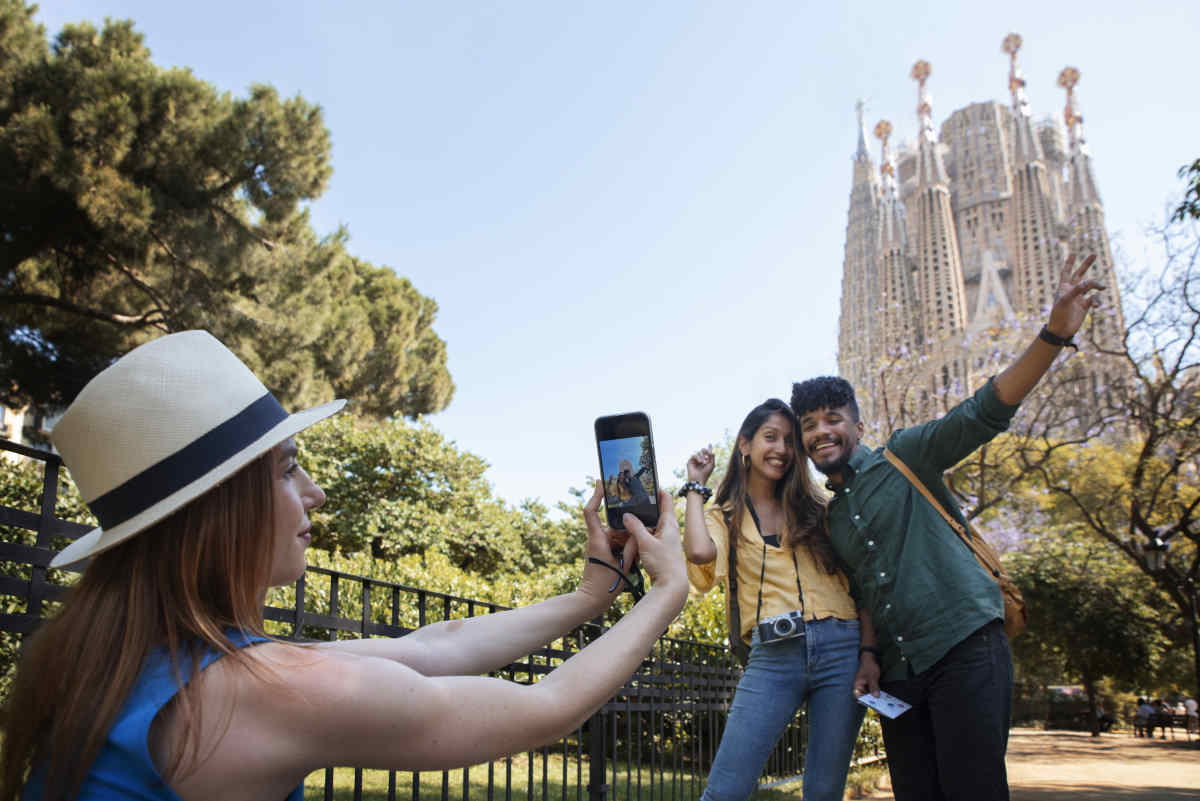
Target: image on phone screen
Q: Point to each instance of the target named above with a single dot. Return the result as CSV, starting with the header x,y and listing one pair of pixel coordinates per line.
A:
x,y
628,472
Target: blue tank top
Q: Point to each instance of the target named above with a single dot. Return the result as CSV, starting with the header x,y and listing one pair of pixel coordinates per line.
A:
x,y
123,769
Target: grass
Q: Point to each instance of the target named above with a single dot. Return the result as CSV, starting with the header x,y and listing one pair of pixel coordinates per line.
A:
x,y
512,782
865,780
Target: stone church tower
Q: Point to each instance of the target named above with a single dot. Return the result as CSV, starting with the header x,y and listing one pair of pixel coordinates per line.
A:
x,y
956,244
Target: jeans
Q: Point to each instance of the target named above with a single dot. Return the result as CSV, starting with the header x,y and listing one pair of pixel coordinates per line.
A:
x,y
950,746
818,668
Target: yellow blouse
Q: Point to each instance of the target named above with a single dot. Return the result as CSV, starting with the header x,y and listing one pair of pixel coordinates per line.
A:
x,y
825,594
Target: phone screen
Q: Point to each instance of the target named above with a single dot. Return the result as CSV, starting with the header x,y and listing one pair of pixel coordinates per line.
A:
x,y
627,468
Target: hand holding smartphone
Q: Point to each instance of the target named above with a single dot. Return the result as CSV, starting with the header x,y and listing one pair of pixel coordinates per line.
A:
x,y
628,470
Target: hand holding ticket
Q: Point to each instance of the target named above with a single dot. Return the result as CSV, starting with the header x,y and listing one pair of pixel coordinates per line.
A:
x,y
885,704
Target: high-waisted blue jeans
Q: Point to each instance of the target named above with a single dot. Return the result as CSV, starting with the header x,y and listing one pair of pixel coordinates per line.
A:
x,y
781,676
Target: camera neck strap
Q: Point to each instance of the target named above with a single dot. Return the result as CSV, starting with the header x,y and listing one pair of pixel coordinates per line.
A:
x,y
762,574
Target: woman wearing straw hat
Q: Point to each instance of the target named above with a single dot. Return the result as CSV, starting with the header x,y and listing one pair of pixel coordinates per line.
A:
x,y
157,681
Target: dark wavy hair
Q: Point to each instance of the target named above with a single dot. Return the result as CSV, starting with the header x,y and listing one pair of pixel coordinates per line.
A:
x,y
826,392
803,504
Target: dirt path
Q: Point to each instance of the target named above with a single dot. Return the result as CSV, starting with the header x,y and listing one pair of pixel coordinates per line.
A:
x,y
1073,766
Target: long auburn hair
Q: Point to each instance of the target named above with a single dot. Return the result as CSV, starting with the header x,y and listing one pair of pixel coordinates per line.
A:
x,y
803,505
179,584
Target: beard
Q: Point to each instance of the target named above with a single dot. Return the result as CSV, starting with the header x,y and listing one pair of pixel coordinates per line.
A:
x,y
838,464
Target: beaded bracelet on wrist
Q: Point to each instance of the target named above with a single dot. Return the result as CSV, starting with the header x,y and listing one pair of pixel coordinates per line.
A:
x,y
695,486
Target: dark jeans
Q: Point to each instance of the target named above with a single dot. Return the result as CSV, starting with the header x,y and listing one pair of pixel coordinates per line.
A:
x,y
950,746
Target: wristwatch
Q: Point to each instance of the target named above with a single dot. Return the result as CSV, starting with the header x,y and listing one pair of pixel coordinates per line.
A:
x,y
1046,335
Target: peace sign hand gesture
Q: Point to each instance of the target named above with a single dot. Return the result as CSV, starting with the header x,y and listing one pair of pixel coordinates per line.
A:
x,y
1073,299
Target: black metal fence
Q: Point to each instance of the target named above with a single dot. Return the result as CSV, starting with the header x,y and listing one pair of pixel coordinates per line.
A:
x,y
654,740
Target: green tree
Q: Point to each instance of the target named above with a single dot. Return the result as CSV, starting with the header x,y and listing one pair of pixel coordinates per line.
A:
x,y
139,200
1190,205
397,488
1091,615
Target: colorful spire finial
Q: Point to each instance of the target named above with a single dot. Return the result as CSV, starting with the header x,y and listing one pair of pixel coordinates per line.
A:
x,y
1067,80
920,73
1016,81
883,129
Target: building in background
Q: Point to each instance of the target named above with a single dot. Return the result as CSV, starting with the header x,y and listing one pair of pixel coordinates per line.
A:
x,y
954,247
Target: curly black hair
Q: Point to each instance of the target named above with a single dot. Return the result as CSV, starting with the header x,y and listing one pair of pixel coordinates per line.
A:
x,y
826,392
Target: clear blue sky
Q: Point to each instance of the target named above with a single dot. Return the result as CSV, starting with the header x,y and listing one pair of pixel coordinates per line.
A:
x,y
642,206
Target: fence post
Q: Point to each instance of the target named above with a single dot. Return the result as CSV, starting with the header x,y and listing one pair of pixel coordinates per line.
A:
x,y
596,729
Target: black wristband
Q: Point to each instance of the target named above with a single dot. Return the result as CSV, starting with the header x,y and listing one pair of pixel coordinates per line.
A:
x,y
1046,335
695,486
634,581
871,649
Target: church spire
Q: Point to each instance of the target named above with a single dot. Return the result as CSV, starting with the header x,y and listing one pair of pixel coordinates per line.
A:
x,y
892,216
887,170
1026,147
862,154
940,279
931,171
1083,183
899,302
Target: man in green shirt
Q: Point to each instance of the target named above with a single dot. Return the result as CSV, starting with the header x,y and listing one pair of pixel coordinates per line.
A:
x,y
938,616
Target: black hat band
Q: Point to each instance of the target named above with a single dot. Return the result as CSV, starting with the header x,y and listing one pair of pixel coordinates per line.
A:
x,y
188,464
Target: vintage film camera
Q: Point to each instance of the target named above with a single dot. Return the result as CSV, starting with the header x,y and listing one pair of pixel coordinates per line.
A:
x,y
781,627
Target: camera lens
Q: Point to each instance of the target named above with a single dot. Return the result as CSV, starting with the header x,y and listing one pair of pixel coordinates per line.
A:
x,y
784,627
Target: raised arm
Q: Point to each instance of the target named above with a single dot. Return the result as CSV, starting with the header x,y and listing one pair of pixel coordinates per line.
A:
x,y
1074,297
937,445
697,544
489,642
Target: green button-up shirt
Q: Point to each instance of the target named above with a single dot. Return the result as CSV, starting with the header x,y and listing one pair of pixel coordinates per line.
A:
x,y
920,582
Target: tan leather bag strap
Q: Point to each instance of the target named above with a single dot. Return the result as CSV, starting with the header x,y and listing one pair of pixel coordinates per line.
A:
x,y
916,482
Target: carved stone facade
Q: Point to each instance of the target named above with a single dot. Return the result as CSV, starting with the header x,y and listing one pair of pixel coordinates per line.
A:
x,y
954,248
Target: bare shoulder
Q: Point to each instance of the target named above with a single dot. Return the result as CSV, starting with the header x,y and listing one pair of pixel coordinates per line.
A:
x,y
272,715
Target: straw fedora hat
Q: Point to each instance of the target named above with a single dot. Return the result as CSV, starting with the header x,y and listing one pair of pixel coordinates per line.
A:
x,y
161,426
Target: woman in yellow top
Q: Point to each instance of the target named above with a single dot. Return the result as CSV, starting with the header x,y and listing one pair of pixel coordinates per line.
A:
x,y
796,612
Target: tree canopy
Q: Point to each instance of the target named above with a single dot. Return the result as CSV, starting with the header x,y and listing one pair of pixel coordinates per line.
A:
x,y
397,488
1093,615
138,200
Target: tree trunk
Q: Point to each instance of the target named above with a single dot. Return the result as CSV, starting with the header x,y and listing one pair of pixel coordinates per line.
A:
x,y
1093,717
1194,590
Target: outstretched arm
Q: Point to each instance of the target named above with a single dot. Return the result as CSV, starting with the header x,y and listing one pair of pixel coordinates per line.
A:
x,y
306,708
489,642
1074,298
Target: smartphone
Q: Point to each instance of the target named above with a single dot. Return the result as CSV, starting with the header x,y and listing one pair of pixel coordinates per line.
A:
x,y
627,468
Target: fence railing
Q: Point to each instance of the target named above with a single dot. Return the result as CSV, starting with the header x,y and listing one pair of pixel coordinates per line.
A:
x,y
654,740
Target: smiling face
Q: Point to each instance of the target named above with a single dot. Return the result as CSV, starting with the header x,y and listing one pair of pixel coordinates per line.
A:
x,y
772,449
294,494
829,437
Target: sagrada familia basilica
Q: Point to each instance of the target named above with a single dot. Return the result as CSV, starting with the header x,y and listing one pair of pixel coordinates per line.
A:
x,y
957,242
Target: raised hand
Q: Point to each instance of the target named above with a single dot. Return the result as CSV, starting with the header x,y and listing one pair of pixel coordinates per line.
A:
x,y
1073,299
659,550
700,465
